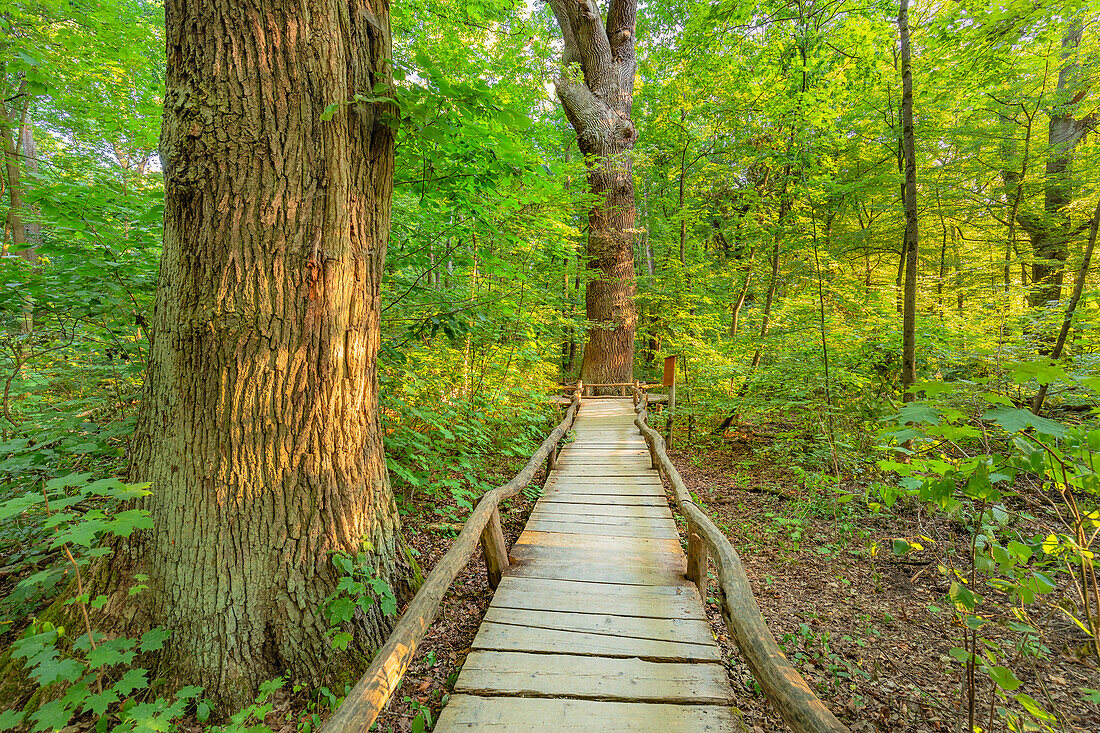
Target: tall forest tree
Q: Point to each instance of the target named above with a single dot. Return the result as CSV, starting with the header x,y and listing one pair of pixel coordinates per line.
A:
x,y
596,87
1051,231
910,249
259,429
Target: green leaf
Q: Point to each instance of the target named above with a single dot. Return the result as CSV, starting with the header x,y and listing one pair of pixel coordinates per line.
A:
x,y
1029,704
1043,372
153,639
9,719
918,412
1014,420
54,715
1004,678
133,679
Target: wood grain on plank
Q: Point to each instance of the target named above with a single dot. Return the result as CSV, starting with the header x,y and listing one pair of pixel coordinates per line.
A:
x,y
562,715
658,629
613,599
564,526
506,637
593,678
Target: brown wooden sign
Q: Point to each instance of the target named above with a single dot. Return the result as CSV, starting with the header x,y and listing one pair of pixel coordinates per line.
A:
x,y
670,372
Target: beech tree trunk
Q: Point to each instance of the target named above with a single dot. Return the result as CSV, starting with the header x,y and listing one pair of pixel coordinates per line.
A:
x,y
909,317
596,89
259,430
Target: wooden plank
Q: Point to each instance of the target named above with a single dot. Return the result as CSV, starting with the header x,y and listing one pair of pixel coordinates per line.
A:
x,y
603,470
608,510
545,525
562,715
544,594
609,545
595,573
659,629
579,464
604,486
608,520
506,637
672,564
577,497
593,678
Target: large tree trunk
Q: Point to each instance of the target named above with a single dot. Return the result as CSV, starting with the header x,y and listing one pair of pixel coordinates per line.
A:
x,y
1050,235
909,318
596,88
259,430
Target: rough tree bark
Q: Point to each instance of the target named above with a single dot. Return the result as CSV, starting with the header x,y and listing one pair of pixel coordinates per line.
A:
x,y
909,317
259,428
596,88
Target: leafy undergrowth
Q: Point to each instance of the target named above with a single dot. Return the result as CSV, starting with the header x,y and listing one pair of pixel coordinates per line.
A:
x,y
868,628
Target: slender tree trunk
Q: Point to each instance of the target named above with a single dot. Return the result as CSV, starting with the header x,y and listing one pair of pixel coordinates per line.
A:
x,y
909,319
735,316
1071,307
683,175
773,282
943,258
596,89
1015,182
259,428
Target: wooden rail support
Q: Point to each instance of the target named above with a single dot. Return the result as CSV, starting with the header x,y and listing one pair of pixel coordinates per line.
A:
x,y
697,563
552,460
785,688
495,549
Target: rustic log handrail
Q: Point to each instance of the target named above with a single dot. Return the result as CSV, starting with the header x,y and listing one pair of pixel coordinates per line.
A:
x,y
374,689
781,682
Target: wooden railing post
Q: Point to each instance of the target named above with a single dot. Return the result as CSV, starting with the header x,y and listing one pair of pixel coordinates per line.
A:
x,y
494,548
697,563
552,460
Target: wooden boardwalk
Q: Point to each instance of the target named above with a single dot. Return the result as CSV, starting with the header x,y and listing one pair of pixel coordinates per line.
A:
x,y
594,627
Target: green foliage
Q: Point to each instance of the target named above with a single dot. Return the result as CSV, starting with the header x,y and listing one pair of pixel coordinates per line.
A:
x,y
1013,455
359,588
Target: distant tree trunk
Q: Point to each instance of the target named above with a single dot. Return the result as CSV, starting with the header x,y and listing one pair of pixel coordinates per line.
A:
x,y
259,427
943,257
1050,235
596,89
1014,191
1071,307
909,319
773,282
20,154
899,278
683,175
735,316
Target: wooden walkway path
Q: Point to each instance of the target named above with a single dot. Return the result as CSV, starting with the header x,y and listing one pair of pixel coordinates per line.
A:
x,y
594,627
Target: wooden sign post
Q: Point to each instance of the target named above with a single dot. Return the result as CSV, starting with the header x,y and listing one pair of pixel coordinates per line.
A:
x,y
670,382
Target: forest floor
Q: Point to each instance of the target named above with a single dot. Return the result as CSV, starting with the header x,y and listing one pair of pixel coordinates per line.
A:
x,y
858,625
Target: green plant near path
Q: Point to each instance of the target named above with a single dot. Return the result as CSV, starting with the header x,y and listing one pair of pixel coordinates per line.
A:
x,y
1026,489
